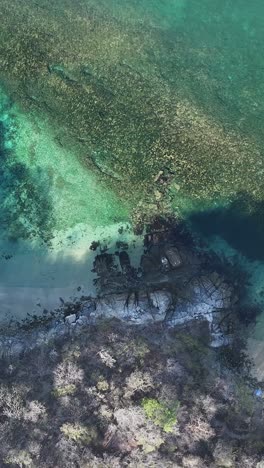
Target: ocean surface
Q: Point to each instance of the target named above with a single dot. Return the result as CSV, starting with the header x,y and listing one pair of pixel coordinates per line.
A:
x,y
112,112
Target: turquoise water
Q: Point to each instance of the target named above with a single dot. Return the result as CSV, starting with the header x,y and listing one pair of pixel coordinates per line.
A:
x,y
51,211
44,187
117,111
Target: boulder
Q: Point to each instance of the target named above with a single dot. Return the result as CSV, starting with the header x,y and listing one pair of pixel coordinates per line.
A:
x,y
17,347
88,307
161,301
82,321
174,257
70,319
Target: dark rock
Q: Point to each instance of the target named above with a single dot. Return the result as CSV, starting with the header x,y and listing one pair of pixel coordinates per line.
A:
x,y
64,74
124,261
174,257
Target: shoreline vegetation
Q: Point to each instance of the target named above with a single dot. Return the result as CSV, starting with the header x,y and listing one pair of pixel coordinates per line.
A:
x,y
120,395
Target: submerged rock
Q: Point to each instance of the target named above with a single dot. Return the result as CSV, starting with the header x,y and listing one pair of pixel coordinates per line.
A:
x,y
62,72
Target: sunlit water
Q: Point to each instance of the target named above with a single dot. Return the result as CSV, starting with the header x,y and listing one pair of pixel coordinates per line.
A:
x,y
171,87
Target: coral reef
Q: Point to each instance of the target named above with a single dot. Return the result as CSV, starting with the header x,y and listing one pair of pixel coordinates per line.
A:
x,y
122,93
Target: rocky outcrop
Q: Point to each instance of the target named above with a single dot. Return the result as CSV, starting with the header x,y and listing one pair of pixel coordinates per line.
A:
x,y
137,308
206,298
172,286
174,257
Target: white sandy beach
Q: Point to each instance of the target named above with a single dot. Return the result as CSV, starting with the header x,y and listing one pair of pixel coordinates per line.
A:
x,y
35,278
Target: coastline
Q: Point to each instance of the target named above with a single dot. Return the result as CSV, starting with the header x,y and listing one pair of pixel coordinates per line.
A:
x,y
159,277
39,278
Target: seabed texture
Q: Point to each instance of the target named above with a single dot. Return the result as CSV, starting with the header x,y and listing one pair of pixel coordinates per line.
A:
x,y
119,111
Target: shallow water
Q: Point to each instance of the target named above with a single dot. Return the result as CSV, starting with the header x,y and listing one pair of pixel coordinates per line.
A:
x,y
51,212
115,111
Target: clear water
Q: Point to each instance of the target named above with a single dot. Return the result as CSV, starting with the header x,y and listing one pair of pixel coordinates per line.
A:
x,y
115,111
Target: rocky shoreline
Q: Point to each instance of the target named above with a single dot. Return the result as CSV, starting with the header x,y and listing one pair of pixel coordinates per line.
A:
x,y
174,286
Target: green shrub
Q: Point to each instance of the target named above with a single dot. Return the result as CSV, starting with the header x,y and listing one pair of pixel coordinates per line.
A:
x,y
79,433
162,415
150,444
64,391
19,458
102,385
